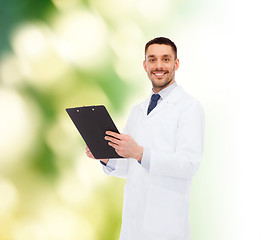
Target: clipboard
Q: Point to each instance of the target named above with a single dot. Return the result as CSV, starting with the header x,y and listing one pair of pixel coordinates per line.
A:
x,y
92,122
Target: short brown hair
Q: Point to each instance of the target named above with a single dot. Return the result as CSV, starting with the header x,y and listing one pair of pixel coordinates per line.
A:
x,y
161,40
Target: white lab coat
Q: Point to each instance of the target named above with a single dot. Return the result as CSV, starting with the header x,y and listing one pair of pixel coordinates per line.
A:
x,y
156,200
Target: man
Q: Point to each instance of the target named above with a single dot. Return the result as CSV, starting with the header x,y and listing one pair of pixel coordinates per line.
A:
x,y
162,144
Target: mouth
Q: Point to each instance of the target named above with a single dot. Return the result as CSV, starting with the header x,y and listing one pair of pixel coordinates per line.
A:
x,y
160,74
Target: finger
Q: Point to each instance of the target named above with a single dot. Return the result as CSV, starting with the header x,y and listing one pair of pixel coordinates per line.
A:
x,y
114,145
113,134
90,155
118,151
113,140
87,150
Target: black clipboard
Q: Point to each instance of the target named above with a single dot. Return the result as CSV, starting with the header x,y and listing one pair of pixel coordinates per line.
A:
x,y
92,122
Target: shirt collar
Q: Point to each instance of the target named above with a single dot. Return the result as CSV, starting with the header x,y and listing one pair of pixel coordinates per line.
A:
x,y
166,91
173,96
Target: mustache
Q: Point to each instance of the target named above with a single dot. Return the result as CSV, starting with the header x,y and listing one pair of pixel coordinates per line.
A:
x,y
159,70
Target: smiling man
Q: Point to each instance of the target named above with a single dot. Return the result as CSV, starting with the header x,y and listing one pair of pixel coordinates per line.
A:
x,y
160,64
162,144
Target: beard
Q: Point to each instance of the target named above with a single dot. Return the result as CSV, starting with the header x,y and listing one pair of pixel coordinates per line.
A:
x,y
163,82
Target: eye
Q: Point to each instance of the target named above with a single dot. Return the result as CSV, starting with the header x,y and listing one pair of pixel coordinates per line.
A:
x,y
166,59
151,60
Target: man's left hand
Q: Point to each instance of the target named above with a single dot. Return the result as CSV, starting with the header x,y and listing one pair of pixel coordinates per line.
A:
x,y
124,145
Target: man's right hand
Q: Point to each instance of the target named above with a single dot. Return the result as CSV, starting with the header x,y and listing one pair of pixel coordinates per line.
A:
x,y
90,155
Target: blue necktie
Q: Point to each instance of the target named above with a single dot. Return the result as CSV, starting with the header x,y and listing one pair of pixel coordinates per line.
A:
x,y
153,103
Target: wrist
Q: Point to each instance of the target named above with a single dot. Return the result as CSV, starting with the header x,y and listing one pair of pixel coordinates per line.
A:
x,y
139,154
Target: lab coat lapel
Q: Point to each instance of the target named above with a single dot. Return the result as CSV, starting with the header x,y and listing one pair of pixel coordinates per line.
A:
x,y
157,109
172,98
144,105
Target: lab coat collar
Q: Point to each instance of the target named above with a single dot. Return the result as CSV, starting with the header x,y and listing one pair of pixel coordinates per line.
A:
x,y
175,95
172,98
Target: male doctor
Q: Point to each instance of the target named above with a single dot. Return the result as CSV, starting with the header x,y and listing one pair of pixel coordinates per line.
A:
x,y
162,144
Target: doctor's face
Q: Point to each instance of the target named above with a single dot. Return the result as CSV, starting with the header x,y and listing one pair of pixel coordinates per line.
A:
x,y
160,64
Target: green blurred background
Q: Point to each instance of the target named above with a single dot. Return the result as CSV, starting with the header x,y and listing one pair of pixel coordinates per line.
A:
x,y
66,53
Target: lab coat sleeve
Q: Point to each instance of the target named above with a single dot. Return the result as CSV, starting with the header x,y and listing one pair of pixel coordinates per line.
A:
x,y
185,160
117,168
110,166
146,159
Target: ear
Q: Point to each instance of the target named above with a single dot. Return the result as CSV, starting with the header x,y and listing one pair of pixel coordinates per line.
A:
x,y
176,64
144,64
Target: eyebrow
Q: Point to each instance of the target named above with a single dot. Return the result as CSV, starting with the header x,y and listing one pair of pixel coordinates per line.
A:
x,y
166,55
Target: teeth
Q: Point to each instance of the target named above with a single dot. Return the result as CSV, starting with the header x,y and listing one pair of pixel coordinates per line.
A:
x,y
159,74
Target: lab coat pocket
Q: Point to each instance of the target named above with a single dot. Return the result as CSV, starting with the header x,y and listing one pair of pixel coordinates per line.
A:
x,y
165,211
167,132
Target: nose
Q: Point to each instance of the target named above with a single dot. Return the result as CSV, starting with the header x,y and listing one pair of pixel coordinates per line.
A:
x,y
159,64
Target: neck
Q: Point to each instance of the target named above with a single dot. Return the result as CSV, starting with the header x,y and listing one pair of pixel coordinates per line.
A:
x,y
158,89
